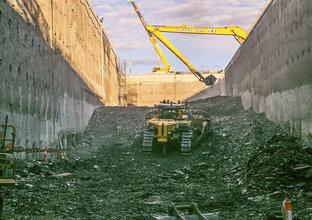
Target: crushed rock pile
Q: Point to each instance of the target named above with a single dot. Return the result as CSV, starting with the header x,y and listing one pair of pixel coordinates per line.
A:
x,y
244,169
281,160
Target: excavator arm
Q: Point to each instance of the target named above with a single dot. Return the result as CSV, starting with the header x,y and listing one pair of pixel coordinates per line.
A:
x,y
158,50
209,80
238,33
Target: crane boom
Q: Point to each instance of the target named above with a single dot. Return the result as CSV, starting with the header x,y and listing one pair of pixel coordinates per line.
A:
x,y
238,33
235,31
172,48
158,50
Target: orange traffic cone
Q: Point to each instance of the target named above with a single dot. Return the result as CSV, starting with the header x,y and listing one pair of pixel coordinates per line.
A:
x,y
45,155
287,212
61,156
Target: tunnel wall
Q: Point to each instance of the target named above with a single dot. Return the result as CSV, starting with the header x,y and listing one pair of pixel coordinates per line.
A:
x,y
56,66
272,70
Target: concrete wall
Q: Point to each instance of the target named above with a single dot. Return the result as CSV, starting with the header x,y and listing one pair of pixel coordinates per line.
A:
x,y
217,89
272,70
147,90
56,66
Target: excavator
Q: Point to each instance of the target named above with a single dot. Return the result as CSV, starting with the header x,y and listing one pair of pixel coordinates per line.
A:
x,y
156,31
168,68
238,33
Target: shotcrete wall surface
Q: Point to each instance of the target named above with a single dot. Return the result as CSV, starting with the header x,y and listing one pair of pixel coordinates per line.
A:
x,y
147,90
56,66
217,89
272,70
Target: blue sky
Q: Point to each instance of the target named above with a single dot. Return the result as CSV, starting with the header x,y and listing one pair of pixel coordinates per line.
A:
x,y
205,52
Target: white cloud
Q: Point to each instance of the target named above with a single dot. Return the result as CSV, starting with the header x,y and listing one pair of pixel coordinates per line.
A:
x,y
127,33
142,61
104,7
131,45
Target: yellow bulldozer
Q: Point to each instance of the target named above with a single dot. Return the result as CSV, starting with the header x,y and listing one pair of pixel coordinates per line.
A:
x,y
174,125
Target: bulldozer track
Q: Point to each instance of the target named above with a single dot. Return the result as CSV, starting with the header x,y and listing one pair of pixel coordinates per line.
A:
x,y
186,143
147,142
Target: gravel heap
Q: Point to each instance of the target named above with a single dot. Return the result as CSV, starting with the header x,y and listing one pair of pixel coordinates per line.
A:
x,y
244,169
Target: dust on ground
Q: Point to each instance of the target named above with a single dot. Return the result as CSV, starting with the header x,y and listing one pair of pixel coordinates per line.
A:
x,y
243,170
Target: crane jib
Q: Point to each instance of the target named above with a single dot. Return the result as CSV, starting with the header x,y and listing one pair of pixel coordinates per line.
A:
x,y
155,31
195,30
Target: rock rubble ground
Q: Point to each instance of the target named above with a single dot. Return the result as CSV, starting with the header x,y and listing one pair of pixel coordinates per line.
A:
x,y
244,169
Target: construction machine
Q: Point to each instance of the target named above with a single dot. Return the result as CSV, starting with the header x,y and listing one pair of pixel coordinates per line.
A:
x,y
7,158
174,125
168,68
191,212
238,33
156,31
186,212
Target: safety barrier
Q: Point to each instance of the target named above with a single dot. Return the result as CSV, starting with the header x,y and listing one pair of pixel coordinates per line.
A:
x,y
46,153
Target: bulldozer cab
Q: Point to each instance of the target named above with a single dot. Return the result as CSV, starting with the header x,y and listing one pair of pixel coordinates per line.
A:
x,y
169,113
7,158
169,110
174,111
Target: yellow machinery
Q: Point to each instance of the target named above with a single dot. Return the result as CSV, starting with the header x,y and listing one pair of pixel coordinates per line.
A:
x,y
7,158
186,212
238,33
158,50
174,125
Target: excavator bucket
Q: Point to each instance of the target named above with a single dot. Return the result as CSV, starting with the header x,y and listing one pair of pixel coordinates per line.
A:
x,y
210,80
186,212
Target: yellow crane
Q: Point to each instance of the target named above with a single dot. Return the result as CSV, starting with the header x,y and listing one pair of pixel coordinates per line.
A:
x,y
158,50
238,33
